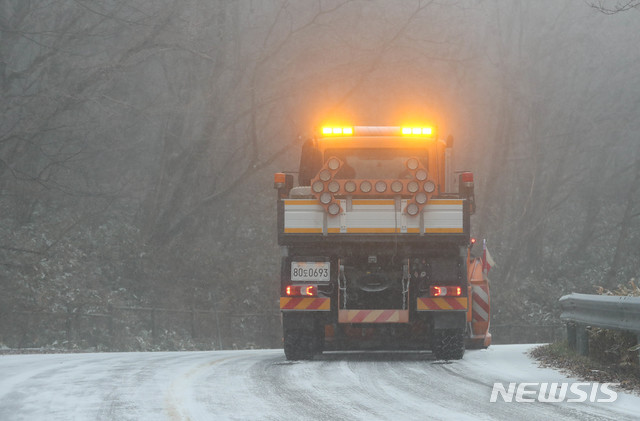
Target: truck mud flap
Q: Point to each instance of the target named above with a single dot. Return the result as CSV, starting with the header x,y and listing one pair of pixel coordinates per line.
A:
x,y
449,320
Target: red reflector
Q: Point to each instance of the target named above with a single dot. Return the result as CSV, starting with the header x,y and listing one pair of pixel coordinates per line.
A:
x,y
445,291
467,177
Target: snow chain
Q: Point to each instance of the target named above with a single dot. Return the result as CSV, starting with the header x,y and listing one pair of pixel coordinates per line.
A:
x,y
406,280
342,284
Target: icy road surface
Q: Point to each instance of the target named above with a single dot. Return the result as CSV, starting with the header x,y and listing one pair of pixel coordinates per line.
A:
x,y
254,385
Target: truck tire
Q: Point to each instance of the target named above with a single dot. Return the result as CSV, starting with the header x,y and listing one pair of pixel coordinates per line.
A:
x,y
448,344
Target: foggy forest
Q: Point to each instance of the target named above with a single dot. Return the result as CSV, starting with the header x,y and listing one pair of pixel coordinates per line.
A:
x,y
138,142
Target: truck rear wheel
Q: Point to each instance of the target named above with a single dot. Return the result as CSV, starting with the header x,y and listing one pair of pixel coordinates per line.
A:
x,y
448,344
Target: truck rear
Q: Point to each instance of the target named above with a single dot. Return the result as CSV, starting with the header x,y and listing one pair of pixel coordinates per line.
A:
x,y
375,242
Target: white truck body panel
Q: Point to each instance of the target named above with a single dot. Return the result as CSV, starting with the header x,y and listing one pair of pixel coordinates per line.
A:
x,y
373,216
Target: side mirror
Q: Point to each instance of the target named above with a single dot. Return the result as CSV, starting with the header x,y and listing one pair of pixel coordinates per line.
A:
x,y
310,163
466,189
283,183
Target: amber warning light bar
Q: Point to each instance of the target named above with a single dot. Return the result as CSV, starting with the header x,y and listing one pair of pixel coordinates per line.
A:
x,y
330,131
337,131
417,131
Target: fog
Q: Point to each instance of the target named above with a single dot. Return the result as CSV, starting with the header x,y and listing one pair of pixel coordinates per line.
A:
x,y
138,140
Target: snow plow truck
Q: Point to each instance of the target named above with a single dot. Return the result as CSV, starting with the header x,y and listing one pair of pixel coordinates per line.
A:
x,y
376,246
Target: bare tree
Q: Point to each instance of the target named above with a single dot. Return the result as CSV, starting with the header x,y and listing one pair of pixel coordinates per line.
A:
x,y
613,7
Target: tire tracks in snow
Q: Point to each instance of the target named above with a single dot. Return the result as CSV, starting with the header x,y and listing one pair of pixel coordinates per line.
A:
x,y
175,399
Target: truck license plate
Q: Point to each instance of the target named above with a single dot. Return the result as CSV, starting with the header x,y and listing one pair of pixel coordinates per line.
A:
x,y
310,271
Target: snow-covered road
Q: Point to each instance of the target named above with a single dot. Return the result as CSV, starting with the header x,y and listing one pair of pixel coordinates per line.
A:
x,y
261,384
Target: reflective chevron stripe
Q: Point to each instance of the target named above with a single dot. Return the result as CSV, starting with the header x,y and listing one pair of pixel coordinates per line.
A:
x,y
373,316
302,303
480,305
442,303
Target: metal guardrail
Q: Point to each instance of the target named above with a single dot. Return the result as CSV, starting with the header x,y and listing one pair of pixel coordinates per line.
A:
x,y
604,311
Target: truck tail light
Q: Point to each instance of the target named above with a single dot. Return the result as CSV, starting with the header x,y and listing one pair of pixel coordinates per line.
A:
x,y
301,290
445,291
